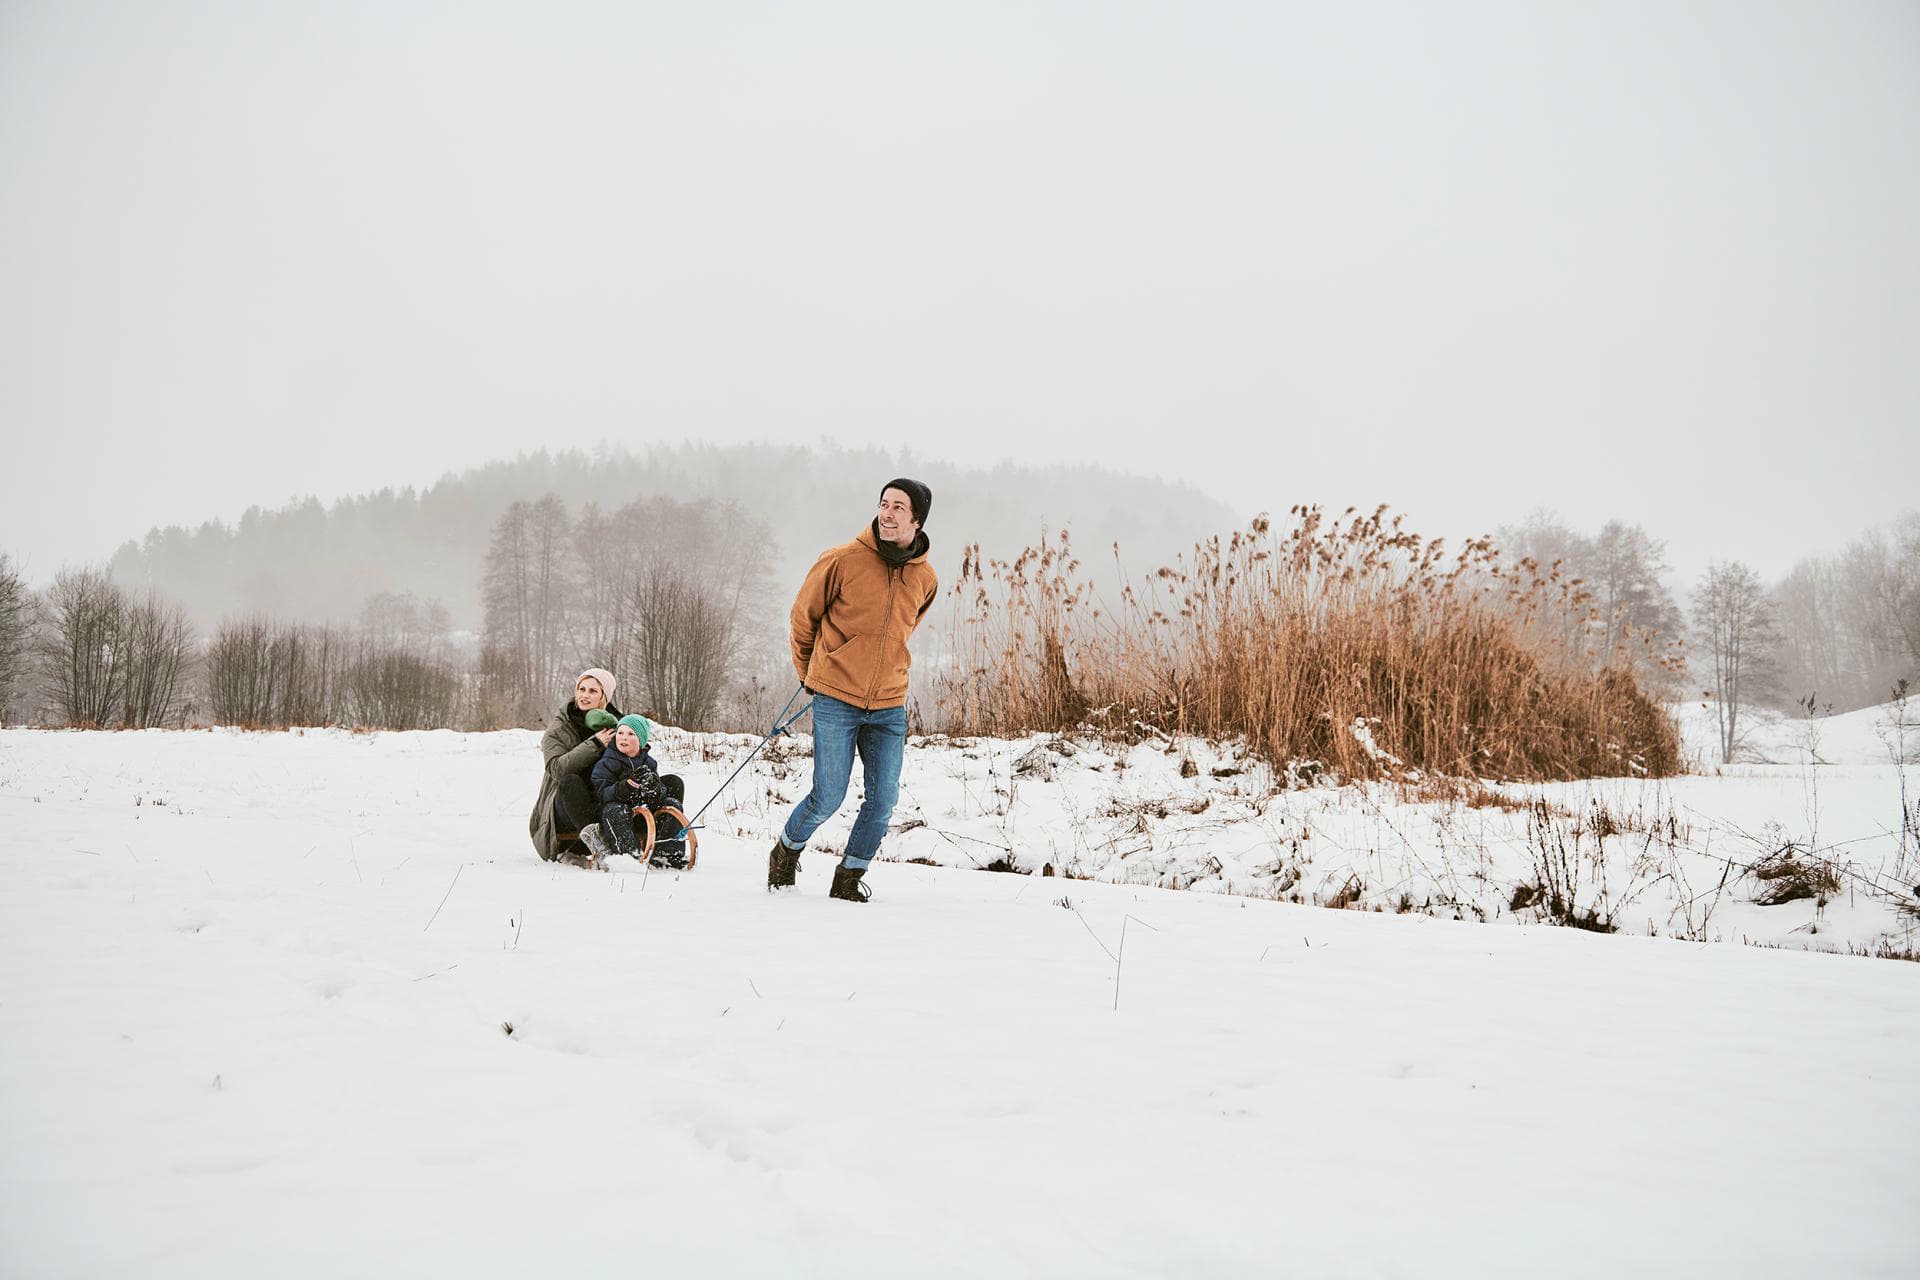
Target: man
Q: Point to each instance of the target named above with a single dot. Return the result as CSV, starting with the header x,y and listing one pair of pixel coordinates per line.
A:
x,y
850,624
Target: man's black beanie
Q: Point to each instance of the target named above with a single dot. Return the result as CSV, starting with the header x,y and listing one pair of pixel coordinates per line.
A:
x,y
918,495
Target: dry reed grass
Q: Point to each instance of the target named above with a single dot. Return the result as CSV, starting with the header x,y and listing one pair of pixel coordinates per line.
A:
x,y
1350,643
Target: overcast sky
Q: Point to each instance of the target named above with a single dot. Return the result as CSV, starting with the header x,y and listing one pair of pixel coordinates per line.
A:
x,y
1653,261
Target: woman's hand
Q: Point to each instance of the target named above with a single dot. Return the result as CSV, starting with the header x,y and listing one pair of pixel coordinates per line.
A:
x,y
603,737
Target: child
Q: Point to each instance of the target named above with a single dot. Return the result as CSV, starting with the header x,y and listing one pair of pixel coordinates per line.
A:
x,y
627,775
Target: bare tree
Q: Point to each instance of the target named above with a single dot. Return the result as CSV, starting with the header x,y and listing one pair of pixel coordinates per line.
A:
x,y
389,688
16,617
261,674
610,550
527,591
159,644
1812,650
1730,614
239,680
1905,582
394,620
683,645
1849,626
1543,536
1622,568
315,662
84,649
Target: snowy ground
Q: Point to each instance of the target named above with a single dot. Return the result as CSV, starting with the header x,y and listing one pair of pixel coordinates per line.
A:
x,y
257,992
1684,857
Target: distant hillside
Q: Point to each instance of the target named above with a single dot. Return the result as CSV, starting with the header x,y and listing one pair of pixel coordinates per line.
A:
x,y
309,562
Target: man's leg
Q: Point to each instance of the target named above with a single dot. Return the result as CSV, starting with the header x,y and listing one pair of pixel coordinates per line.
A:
x,y
836,728
882,744
883,747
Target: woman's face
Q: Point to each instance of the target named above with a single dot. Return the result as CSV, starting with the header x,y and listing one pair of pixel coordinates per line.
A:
x,y
627,741
588,695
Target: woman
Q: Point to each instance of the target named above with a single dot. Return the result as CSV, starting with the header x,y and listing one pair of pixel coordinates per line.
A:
x,y
566,800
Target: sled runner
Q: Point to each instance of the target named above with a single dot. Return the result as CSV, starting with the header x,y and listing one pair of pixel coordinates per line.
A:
x,y
646,833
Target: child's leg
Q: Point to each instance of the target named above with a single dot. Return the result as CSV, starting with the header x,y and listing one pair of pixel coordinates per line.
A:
x,y
667,827
617,820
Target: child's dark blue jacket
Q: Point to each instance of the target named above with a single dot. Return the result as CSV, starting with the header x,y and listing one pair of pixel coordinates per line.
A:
x,y
611,771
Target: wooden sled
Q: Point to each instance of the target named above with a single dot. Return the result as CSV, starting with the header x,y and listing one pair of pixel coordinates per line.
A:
x,y
645,829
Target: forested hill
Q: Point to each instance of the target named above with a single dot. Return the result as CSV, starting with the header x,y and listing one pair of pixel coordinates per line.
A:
x,y
311,562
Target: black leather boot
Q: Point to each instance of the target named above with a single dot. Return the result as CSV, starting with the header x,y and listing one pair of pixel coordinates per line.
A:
x,y
782,865
847,885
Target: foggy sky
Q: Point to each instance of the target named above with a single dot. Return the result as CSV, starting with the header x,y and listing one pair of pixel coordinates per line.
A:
x,y
1648,261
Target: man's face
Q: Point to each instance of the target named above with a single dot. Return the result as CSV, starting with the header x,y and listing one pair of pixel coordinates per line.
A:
x,y
896,518
587,695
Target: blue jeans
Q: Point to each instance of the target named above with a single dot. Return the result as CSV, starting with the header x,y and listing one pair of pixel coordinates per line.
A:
x,y
839,730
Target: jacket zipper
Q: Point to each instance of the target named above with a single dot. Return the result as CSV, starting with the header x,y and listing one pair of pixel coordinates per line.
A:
x,y
886,629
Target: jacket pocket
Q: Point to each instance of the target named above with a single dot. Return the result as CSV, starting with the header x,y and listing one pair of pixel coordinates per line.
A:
x,y
891,683
847,667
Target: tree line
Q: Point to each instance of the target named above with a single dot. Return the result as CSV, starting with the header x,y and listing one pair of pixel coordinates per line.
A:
x,y
659,592
313,562
656,591
1834,634
674,596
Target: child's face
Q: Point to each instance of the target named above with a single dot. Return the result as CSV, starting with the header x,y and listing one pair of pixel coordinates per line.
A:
x,y
626,741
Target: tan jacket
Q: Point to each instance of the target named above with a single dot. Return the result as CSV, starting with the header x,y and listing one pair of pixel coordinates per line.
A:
x,y
852,618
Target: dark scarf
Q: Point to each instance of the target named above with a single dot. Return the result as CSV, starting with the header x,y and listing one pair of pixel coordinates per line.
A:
x,y
895,554
578,718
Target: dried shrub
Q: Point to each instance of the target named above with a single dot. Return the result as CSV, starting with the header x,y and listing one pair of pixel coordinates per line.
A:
x,y
1351,644
1786,876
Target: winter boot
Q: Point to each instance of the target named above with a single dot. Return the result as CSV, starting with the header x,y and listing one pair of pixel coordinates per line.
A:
x,y
669,841
595,838
847,885
783,864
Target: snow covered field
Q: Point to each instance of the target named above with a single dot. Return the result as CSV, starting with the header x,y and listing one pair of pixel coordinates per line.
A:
x,y
306,1004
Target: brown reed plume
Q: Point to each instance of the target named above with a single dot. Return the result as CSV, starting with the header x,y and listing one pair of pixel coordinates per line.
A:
x,y
1351,643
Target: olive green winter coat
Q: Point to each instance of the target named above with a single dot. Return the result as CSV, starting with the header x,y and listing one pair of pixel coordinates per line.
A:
x,y
566,747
